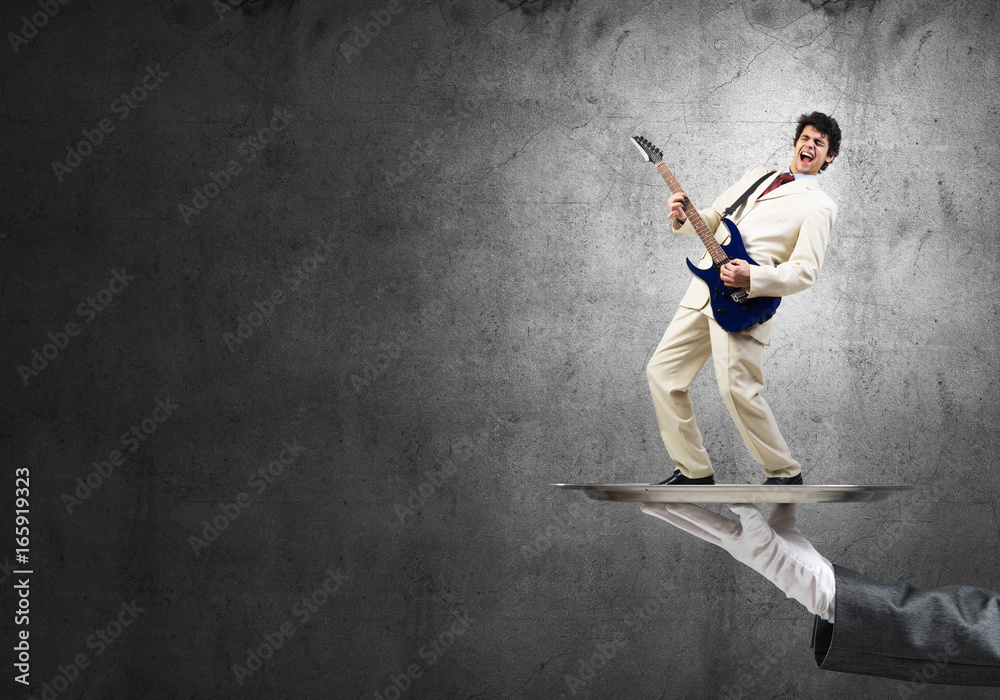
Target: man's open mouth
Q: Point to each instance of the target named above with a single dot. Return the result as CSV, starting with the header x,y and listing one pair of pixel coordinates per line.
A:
x,y
806,158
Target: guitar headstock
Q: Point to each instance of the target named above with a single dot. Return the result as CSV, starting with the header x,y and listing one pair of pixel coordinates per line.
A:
x,y
650,153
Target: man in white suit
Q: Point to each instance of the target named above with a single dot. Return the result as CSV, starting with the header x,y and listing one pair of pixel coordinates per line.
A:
x,y
785,223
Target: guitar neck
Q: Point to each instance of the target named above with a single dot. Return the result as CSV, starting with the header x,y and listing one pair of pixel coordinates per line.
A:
x,y
714,249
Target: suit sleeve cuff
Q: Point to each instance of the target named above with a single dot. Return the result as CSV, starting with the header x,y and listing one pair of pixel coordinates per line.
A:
x,y
685,227
755,281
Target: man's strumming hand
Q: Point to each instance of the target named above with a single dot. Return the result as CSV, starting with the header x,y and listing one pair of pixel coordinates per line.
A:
x,y
736,273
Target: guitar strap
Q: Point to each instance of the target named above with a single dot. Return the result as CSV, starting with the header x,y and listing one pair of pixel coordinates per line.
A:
x,y
739,202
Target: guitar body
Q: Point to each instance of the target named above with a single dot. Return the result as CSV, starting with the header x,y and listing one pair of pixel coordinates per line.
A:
x,y
734,316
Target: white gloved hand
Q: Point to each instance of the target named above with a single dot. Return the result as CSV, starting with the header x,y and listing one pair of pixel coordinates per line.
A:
x,y
776,548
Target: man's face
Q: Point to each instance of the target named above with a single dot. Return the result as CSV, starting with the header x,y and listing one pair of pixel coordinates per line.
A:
x,y
811,152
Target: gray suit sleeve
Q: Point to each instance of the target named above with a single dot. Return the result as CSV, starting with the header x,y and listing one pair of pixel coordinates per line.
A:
x,y
945,635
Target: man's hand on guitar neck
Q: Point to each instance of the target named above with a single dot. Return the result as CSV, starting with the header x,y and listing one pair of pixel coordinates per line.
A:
x,y
677,202
736,273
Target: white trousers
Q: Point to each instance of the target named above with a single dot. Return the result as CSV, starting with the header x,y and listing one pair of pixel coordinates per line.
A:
x,y
689,340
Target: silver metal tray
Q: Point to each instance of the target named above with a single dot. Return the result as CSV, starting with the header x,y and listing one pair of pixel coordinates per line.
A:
x,y
736,493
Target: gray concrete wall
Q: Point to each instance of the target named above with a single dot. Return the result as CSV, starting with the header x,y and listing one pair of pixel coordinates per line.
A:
x,y
428,288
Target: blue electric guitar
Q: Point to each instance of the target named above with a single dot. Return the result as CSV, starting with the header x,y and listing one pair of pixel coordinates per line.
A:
x,y
733,309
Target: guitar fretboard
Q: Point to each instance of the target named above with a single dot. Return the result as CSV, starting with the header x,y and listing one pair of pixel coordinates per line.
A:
x,y
719,256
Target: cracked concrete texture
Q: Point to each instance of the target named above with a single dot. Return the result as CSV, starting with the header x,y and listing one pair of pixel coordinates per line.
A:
x,y
475,267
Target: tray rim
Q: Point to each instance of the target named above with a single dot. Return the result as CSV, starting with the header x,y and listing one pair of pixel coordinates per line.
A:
x,y
737,493
623,485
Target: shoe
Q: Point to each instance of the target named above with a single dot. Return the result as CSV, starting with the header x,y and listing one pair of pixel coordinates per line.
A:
x,y
784,480
678,479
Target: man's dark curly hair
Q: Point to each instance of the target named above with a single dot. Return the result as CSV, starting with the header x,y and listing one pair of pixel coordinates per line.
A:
x,y
825,125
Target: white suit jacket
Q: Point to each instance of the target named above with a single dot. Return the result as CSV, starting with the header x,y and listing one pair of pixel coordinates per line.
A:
x,y
785,232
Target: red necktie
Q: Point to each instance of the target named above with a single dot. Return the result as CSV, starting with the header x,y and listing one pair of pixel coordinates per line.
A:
x,y
778,182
